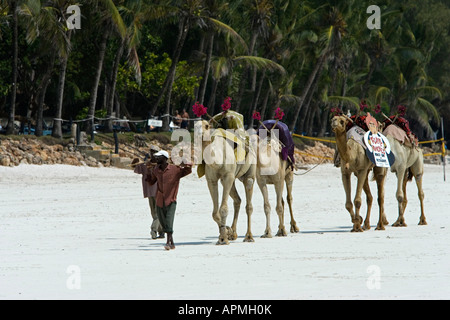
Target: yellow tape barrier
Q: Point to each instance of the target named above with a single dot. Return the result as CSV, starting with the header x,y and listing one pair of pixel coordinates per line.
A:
x,y
312,155
311,138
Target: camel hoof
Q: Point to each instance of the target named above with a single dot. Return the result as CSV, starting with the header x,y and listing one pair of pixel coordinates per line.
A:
x,y
267,235
423,222
222,242
249,239
357,229
380,226
366,227
399,224
281,233
233,236
294,229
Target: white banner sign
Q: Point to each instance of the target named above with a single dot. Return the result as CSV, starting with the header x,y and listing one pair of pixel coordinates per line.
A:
x,y
154,123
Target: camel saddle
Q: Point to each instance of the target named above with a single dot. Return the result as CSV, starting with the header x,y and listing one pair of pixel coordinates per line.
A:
x,y
357,133
285,137
401,135
238,139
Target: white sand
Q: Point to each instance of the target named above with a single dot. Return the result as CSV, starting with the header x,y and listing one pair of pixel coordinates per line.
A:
x,y
83,233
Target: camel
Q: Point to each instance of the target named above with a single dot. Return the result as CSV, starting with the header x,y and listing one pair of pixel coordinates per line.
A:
x,y
226,169
283,175
408,163
354,160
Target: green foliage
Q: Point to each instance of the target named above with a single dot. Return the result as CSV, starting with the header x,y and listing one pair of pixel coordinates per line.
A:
x,y
83,114
154,71
406,62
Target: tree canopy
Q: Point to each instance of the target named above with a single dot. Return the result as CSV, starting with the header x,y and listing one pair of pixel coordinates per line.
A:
x,y
139,59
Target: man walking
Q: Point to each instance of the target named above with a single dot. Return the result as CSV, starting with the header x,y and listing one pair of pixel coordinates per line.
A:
x,y
149,190
168,178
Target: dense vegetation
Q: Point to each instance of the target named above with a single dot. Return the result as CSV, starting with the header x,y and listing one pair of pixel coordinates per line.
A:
x,y
142,58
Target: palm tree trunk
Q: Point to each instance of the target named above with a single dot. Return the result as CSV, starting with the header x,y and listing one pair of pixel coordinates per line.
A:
x,y
171,75
212,97
94,90
243,82
256,98
206,68
311,78
264,105
57,122
112,91
15,49
365,88
46,79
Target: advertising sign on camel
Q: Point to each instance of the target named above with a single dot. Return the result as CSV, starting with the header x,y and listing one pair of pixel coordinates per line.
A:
x,y
378,147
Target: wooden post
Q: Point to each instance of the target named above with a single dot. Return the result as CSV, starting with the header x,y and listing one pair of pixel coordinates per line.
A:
x,y
443,146
116,142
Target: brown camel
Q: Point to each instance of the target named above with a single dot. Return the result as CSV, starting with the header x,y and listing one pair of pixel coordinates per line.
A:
x,y
354,160
277,172
221,165
408,163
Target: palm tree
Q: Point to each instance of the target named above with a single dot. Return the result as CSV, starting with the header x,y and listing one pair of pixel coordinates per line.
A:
x,y
109,19
42,25
61,9
134,14
188,14
13,4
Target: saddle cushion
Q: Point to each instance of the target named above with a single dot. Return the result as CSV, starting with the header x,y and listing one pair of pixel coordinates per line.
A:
x,y
239,144
398,134
356,133
287,151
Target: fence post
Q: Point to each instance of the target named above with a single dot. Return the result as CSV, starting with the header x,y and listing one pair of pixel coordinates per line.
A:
x,y
443,146
116,142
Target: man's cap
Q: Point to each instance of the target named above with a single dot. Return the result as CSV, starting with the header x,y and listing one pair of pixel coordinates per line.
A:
x,y
162,153
154,148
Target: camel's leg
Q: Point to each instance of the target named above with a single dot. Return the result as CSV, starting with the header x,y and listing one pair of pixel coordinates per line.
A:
x,y
346,181
417,170
358,220
280,209
213,187
237,205
380,177
265,193
289,181
227,183
400,194
369,200
248,184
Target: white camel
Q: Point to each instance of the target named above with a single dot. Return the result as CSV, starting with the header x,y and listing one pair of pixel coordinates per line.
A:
x,y
221,165
274,170
408,164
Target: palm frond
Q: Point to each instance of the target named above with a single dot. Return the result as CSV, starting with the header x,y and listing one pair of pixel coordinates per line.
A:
x,y
115,16
429,90
428,107
381,93
261,63
349,101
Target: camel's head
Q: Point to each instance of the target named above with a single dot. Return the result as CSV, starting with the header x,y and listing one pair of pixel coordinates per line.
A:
x,y
201,126
202,132
339,123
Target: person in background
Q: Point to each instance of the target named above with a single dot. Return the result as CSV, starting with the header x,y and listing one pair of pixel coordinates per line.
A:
x,y
177,119
149,190
168,178
184,121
